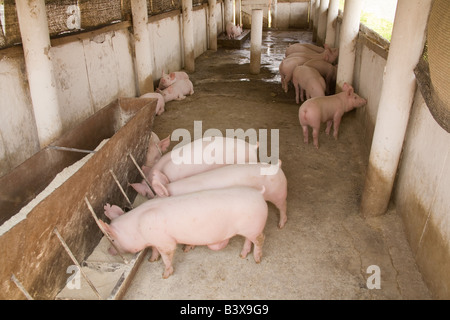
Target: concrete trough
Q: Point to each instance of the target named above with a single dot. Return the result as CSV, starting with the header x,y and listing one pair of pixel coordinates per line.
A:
x,y
223,41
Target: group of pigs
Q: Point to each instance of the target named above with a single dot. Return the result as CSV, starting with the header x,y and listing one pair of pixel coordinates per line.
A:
x,y
204,203
172,86
311,70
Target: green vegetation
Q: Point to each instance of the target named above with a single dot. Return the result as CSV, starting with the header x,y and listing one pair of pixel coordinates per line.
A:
x,y
381,26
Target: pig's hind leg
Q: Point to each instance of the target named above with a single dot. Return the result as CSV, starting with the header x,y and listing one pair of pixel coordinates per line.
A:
x,y
257,251
167,257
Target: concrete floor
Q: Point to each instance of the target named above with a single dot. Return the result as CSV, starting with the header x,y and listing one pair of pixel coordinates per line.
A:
x,y
326,247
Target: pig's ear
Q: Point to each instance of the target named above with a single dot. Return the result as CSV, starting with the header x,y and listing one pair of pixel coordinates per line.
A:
x,y
345,86
172,76
112,211
142,189
164,144
350,91
162,73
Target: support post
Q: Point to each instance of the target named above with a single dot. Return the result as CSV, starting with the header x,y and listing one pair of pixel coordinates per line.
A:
x,y
238,12
347,45
36,47
322,24
397,94
315,15
228,11
333,11
274,12
188,36
144,66
212,25
255,41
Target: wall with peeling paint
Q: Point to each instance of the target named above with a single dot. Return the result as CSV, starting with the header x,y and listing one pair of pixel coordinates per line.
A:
x,y
91,72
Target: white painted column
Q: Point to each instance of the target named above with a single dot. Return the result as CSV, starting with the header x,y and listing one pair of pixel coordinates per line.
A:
x,y
228,11
322,25
36,46
347,45
397,94
238,12
333,11
212,25
274,13
255,41
315,15
144,67
188,36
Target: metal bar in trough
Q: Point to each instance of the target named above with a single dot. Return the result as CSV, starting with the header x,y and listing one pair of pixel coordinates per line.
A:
x,y
55,231
21,287
71,149
104,232
120,187
142,173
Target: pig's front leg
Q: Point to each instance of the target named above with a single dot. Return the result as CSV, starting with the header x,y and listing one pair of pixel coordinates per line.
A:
x,y
167,257
336,124
180,97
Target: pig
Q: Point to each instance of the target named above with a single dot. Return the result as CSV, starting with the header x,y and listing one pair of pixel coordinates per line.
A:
x,y
286,69
209,217
250,175
178,90
329,109
304,47
155,150
160,104
183,162
168,79
327,70
233,31
307,79
328,55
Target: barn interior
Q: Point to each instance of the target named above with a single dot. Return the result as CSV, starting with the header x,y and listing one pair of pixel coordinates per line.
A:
x,y
367,213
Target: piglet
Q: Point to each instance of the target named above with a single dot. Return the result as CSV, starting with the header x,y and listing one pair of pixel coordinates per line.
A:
x,y
169,79
178,90
209,217
308,80
327,71
329,109
254,175
233,31
160,104
304,47
329,55
286,69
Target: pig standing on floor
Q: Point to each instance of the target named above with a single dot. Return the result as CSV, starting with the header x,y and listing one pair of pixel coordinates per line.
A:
x,y
327,55
178,90
308,80
329,109
233,31
254,175
160,104
208,217
181,163
304,47
286,69
168,79
326,70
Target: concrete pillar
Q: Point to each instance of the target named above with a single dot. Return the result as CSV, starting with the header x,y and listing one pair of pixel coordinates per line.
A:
x,y
315,15
333,11
142,47
228,11
188,36
36,46
397,93
274,13
212,25
238,12
256,40
322,24
347,44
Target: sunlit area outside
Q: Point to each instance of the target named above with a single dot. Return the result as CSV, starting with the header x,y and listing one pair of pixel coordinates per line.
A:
x,y
377,15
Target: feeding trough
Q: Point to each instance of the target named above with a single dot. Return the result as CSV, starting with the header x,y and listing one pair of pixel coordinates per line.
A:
x,y
40,246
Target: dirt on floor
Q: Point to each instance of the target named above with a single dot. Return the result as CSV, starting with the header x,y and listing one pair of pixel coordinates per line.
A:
x,y
326,249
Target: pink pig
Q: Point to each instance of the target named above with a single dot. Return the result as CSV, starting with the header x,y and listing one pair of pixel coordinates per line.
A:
x,y
169,79
307,79
254,175
327,70
329,55
233,31
178,90
286,69
209,217
329,109
196,157
160,104
304,47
